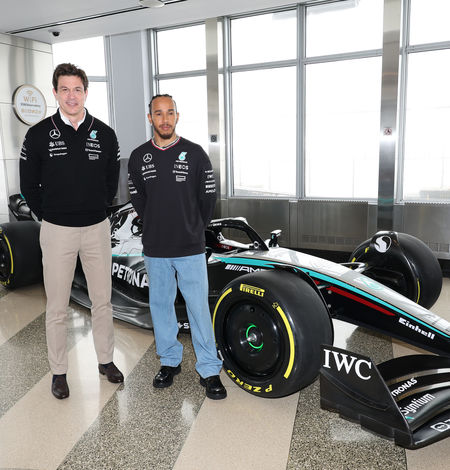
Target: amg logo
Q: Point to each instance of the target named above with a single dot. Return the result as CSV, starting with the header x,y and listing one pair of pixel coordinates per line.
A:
x,y
252,290
133,278
405,386
247,269
417,403
342,360
417,328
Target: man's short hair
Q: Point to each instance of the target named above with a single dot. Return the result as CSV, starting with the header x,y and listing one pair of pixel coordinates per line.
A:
x,y
69,69
165,95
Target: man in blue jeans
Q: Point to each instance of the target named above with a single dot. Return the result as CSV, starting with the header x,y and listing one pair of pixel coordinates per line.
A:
x,y
172,188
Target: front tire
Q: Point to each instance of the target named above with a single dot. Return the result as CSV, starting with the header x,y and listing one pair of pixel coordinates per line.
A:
x,y
20,254
269,327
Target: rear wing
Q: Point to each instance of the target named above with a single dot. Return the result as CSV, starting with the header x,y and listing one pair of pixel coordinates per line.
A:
x,y
406,399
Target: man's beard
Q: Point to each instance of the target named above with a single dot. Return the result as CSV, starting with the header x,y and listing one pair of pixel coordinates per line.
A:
x,y
166,135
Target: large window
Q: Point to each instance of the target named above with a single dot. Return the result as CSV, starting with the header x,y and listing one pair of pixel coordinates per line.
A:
x,y
264,133
88,54
303,98
264,100
342,129
429,21
426,148
190,96
344,26
181,72
342,99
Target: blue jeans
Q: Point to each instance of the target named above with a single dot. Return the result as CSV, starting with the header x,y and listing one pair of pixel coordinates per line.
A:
x,y
192,279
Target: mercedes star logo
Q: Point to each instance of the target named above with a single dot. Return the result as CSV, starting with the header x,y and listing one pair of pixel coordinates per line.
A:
x,y
55,134
147,157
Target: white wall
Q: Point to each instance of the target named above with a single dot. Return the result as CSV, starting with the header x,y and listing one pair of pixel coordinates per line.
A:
x,y
21,62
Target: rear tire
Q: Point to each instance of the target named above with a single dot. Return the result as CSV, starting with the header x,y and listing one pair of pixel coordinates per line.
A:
x,y
269,327
20,254
408,266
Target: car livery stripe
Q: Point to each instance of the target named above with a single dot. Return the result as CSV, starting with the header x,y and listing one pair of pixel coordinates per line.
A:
x,y
362,301
218,303
124,254
371,297
291,342
331,280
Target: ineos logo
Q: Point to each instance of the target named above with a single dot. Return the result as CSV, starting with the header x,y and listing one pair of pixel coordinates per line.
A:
x,y
147,157
342,360
382,244
55,134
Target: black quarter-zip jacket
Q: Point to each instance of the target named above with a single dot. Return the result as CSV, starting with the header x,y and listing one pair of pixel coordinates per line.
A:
x,y
69,177
173,191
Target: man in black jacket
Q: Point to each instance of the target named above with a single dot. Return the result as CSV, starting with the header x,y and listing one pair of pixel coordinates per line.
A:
x,y
69,170
173,190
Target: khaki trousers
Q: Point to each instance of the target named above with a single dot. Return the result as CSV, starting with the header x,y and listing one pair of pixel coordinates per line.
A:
x,y
60,247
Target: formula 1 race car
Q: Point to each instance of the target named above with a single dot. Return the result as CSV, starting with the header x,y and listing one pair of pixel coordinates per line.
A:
x,y
272,307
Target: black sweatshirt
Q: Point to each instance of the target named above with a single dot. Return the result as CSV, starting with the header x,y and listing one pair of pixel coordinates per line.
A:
x,y
68,177
173,191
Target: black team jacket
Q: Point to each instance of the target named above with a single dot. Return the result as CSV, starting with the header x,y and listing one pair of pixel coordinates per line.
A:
x,y
69,177
174,192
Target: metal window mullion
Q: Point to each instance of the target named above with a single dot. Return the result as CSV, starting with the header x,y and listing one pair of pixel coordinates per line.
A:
x,y
228,108
176,75
154,61
432,46
263,66
301,100
98,78
343,56
402,100
109,81
264,11
179,26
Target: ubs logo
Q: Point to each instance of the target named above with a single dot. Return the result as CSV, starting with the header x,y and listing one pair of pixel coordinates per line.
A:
x,y
55,134
147,157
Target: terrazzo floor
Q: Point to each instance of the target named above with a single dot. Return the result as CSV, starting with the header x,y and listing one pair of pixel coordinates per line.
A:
x,y
133,426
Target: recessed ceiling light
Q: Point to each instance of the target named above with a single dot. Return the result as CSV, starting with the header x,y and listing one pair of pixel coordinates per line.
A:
x,y
151,3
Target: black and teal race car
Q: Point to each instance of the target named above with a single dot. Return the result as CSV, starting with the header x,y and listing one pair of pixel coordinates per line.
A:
x,y
272,307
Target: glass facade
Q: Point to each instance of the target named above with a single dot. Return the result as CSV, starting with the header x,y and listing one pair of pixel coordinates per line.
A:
x,y
302,94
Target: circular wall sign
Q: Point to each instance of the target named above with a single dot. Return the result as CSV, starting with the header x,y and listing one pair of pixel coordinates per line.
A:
x,y
29,104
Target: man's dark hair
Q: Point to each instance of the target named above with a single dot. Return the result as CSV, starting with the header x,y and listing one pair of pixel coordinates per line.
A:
x,y
69,69
165,95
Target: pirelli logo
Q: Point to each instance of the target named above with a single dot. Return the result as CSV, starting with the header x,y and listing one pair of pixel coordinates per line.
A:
x,y
252,290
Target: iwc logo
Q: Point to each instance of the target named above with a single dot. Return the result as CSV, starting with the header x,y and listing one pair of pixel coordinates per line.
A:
x,y
54,134
147,157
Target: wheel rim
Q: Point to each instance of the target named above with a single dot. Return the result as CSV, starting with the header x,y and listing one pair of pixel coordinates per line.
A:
x,y
5,261
252,339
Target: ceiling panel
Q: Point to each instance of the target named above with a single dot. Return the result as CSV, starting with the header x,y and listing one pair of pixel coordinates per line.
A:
x,y
45,15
